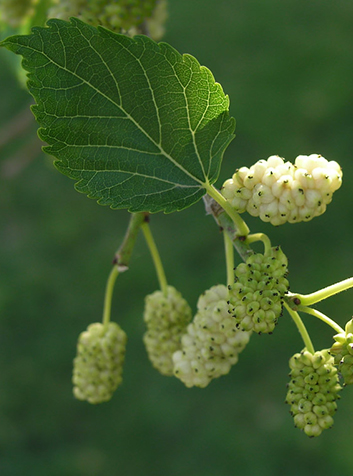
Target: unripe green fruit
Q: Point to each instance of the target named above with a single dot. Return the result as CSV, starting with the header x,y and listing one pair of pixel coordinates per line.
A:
x,y
280,192
256,298
212,342
99,362
313,391
166,318
342,351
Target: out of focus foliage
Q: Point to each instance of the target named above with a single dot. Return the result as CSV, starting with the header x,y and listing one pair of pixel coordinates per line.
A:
x,y
287,67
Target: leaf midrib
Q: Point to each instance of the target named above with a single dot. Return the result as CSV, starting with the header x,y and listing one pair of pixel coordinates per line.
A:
x,y
132,174
188,117
163,152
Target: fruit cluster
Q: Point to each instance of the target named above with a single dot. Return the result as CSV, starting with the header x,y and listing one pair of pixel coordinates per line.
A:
x,y
256,298
342,351
99,362
212,342
313,391
166,317
280,192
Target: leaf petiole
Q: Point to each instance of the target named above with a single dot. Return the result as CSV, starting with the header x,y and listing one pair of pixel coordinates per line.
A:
x,y
226,224
242,227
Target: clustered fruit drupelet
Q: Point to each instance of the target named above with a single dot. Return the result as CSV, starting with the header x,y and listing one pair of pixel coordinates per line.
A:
x,y
342,351
166,317
281,192
212,342
313,391
99,362
256,298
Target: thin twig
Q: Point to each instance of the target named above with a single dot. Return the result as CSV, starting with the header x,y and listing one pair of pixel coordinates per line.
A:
x,y
123,255
226,223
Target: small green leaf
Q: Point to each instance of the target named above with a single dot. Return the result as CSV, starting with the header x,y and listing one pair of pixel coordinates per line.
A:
x,y
136,124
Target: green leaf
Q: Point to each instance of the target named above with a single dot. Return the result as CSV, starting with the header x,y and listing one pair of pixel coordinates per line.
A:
x,y
135,123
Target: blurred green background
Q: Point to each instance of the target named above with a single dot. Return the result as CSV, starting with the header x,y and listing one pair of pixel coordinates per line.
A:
x,y
287,67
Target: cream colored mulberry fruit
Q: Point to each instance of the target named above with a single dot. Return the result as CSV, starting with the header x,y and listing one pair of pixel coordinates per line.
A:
x,y
280,192
212,342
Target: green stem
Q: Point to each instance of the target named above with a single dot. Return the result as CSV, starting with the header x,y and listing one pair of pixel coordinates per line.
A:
x,y
323,317
123,255
309,299
227,225
121,261
229,250
108,295
155,257
260,237
301,328
242,228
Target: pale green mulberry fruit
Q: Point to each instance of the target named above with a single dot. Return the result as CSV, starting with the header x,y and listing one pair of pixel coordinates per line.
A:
x,y
342,351
280,192
166,318
313,391
256,298
212,342
99,362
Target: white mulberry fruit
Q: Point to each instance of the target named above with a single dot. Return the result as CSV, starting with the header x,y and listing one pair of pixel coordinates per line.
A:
x,y
212,342
280,192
